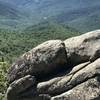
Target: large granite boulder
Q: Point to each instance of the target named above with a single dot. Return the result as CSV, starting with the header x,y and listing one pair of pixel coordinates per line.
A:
x,y
42,60
83,48
74,71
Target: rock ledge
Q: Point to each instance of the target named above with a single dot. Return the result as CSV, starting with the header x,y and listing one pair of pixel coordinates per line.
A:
x,y
58,70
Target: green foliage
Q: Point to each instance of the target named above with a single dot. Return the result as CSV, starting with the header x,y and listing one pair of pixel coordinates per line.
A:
x,y
51,30
14,43
3,71
2,98
3,82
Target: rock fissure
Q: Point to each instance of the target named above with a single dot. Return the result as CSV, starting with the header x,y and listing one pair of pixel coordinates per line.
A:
x,y
75,71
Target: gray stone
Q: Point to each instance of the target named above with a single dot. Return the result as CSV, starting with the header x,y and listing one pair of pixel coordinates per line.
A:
x,y
20,86
57,70
89,90
83,48
61,84
46,58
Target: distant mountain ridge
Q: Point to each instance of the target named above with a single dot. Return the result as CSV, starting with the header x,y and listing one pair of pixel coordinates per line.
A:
x,y
70,12
10,15
7,10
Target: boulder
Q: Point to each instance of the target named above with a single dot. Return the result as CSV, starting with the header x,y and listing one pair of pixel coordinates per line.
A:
x,y
83,48
18,87
78,75
89,90
45,59
57,70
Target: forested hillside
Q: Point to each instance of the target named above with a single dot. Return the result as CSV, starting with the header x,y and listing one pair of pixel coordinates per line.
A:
x,y
14,43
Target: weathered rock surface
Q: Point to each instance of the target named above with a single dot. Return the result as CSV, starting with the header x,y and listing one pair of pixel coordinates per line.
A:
x,y
88,90
18,87
78,65
40,61
64,83
83,48
61,84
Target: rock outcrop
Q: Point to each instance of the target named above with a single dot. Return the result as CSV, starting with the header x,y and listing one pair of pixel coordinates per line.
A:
x,y
58,70
83,48
40,61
